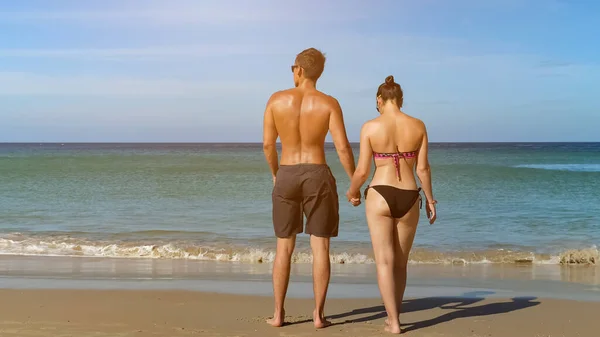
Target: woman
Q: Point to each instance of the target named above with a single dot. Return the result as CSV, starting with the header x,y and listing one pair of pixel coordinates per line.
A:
x,y
398,144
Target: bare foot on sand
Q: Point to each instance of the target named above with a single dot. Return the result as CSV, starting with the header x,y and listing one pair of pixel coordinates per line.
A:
x,y
392,328
277,320
320,322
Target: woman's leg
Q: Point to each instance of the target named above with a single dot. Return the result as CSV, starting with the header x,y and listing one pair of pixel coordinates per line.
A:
x,y
381,228
406,228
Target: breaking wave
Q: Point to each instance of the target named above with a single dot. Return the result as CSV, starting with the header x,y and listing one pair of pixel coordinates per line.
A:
x,y
22,245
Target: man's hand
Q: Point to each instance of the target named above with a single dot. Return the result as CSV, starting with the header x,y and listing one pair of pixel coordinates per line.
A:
x,y
274,179
353,197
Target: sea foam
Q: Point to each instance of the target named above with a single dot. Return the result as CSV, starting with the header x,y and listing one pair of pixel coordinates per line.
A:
x,y
178,250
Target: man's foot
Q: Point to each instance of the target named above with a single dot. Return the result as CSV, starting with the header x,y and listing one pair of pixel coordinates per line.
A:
x,y
320,321
277,320
392,328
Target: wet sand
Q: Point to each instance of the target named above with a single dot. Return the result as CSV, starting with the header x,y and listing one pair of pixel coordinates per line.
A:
x,y
63,312
57,296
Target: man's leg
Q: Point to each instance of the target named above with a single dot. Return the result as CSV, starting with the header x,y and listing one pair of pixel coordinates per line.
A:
x,y
281,277
321,275
322,219
287,223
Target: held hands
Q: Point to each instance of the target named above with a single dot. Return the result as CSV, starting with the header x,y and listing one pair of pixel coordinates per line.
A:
x,y
353,197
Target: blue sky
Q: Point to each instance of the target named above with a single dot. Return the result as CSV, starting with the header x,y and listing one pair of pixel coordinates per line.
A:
x,y
195,71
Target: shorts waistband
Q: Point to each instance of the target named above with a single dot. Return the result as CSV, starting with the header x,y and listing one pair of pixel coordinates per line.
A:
x,y
302,167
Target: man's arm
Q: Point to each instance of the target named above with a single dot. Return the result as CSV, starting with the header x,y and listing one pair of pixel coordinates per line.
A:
x,y
364,162
340,140
269,138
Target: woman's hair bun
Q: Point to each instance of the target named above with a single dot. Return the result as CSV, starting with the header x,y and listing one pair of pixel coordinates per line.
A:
x,y
389,80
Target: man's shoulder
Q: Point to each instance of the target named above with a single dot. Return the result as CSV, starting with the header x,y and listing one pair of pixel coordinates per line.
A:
x,y
280,94
277,98
328,97
321,97
327,100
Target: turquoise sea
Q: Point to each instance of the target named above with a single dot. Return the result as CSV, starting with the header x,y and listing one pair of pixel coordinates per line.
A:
x,y
533,203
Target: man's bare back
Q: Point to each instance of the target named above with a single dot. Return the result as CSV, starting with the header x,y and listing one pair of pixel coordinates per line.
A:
x,y
302,118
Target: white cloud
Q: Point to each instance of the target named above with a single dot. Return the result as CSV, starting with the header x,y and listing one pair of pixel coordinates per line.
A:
x,y
424,50
17,83
160,52
356,64
193,15
215,12
358,72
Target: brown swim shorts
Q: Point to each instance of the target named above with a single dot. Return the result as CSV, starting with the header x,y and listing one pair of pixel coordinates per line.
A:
x,y
308,189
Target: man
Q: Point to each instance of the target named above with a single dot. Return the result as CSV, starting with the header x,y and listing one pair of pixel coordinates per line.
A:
x,y
301,117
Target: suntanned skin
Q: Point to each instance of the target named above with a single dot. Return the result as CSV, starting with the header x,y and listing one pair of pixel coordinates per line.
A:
x,y
301,117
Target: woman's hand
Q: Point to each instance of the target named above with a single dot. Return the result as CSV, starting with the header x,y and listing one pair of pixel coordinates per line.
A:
x,y
353,197
431,211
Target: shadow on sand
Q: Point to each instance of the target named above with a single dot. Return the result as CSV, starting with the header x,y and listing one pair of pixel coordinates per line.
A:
x,y
461,308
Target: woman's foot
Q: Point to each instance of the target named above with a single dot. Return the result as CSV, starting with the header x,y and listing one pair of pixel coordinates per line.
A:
x,y
392,327
320,321
387,321
277,320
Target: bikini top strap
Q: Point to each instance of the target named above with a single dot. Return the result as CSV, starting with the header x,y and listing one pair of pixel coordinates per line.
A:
x,y
397,162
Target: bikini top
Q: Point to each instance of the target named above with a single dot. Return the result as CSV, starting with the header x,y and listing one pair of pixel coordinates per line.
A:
x,y
396,156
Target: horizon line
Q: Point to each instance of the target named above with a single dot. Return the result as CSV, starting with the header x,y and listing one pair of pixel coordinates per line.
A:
x,y
327,143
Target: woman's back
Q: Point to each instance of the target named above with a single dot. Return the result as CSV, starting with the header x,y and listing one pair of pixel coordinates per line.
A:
x,y
395,140
397,144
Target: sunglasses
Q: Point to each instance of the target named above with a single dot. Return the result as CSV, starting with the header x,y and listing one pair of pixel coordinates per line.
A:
x,y
294,67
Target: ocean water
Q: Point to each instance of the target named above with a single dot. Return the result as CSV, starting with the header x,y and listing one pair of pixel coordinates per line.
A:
x,y
533,203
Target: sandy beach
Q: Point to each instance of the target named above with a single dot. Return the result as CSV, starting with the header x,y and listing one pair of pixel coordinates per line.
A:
x,y
183,313
55,296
